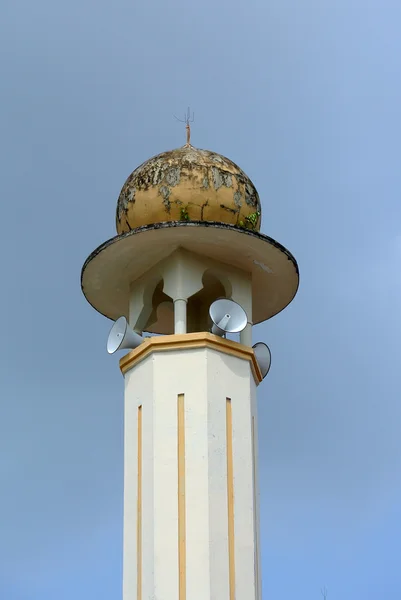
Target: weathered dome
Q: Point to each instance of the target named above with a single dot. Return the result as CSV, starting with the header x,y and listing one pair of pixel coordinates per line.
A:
x,y
188,184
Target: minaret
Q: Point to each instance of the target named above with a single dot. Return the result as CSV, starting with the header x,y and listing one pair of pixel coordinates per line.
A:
x,y
188,233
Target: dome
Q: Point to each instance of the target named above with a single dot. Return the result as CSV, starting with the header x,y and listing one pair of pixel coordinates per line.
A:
x,y
188,184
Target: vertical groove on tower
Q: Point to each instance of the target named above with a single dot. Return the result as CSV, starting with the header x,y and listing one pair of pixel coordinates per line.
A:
x,y
255,510
230,497
139,511
181,497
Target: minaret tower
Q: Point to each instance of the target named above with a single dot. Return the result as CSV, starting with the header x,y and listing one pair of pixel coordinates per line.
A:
x,y
188,234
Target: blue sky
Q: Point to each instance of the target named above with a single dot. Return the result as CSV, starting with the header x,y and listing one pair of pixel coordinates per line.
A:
x,y
305,96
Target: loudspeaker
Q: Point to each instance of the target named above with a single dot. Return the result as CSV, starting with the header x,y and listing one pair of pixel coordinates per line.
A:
x,y
227,316
263,357
121,336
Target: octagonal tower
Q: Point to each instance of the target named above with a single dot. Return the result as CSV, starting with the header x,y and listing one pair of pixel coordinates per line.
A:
x,y
188,225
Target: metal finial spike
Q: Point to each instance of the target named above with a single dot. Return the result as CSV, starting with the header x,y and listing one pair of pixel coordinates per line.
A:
x,y
187,120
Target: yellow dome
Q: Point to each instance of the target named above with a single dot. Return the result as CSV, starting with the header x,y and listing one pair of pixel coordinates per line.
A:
x,y
188,184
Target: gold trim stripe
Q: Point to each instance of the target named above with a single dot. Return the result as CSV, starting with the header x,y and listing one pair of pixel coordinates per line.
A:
x,y
230,497
255,520
181,498
188,341
139,511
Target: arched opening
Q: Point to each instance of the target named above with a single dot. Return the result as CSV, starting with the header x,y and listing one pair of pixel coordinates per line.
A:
x,y
161,319
198,304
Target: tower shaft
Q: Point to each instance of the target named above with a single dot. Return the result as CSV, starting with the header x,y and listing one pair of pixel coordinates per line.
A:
x,y
188,237
191,516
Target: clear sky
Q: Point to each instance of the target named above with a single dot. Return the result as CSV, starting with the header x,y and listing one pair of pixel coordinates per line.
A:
x,y
305,96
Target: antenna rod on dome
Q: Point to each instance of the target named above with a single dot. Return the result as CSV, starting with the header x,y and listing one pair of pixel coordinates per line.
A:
x,y
187,120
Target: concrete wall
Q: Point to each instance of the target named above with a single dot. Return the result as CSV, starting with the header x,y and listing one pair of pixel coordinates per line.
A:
x,y
195,444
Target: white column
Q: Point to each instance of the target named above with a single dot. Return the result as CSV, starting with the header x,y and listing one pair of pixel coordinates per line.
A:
x,y
246,335
180,316
196,541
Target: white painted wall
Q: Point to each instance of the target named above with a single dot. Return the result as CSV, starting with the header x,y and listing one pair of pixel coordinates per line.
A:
x,y
206,377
